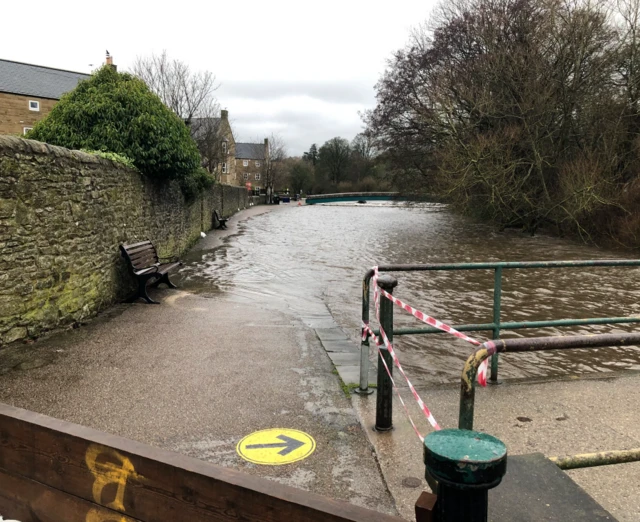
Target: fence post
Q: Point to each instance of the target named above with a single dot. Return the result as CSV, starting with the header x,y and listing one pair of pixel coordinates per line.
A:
x,y
466,464
384,400
497,303
364,389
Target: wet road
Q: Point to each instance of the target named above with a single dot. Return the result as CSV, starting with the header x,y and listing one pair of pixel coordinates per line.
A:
x,y
303,260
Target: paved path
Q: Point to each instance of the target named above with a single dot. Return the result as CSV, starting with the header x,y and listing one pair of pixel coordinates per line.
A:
x,y
195,375
199,372
556,418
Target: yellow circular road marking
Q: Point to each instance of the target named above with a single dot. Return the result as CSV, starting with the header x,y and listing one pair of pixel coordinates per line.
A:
x,y
276,446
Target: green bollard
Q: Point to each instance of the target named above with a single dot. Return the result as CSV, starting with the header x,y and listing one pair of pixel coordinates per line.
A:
x,y
466,464
384,399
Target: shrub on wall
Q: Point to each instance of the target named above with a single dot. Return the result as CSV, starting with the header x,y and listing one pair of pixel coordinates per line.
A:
x,y
117,113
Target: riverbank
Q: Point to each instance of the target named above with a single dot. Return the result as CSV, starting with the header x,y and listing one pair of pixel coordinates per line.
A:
x,y
240,348
197,374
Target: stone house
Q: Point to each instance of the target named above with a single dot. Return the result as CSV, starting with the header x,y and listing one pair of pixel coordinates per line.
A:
x,y
251,160
29,92
217,146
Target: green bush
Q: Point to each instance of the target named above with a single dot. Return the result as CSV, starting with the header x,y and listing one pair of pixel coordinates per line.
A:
x,y
196,183
116,112
118,158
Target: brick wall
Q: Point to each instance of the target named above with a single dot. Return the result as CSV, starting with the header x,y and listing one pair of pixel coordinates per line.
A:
x,y
63,215
15,114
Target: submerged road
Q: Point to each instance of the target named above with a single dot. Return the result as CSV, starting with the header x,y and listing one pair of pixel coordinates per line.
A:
x,y
236,350
199,373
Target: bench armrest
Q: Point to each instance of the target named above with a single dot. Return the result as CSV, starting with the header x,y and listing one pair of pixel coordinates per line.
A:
x,y
171,259
147,270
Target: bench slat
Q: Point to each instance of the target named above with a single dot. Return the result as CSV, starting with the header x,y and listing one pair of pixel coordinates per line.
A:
x,y
144,262
163,269
134,245
141,255
145,248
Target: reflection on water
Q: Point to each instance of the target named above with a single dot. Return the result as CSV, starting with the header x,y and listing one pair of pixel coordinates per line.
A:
x,y
305,259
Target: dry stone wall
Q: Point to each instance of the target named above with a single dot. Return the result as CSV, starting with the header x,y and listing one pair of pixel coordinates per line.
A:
x,y
63,215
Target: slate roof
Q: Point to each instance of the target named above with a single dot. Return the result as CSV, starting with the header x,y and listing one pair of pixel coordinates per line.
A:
x,y
37,81
254,151
199,126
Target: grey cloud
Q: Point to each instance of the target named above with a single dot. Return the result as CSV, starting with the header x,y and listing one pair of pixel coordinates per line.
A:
x,y
333,92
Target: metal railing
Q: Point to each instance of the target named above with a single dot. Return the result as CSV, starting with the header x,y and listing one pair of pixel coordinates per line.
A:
x,y
496,326
490,348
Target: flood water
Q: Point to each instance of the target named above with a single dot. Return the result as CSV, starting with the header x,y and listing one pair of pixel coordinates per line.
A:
x,y
310,259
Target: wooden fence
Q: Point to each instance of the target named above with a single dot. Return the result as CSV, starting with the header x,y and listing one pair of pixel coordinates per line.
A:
x,y
54,471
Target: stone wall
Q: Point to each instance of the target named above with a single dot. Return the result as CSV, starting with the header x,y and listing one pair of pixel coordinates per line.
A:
x,y
63,215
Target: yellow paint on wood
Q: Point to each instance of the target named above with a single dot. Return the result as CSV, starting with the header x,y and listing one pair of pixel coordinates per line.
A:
x,y
109,467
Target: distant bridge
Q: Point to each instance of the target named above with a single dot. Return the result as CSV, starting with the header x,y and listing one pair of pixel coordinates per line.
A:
x,y
355,196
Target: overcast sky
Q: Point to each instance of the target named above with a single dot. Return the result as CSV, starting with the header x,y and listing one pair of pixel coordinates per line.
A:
x,y
301,69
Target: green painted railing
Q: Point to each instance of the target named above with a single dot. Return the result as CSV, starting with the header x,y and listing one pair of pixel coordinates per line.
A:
x,y
354,196
497,325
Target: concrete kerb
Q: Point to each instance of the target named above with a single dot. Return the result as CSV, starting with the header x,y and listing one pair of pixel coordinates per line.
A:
x,y
345,356
559,416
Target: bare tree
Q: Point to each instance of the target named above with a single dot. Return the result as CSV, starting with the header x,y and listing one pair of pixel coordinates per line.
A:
x,y
334,157
521,111
205,131
191,96
185,92
364,146
273,164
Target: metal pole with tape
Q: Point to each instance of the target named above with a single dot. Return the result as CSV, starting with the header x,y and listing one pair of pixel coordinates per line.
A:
x,y
364,389
384,399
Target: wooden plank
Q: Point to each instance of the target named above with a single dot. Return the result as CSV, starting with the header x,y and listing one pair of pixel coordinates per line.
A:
x,y
151,484
29,501
144,262
163,269
134,245
144,253
141,250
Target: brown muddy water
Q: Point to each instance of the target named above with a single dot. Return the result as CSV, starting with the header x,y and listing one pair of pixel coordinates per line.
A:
x,y
310,260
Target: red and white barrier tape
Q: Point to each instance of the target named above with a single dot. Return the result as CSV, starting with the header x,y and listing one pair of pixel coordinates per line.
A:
x,y
432,321
366,329
396,361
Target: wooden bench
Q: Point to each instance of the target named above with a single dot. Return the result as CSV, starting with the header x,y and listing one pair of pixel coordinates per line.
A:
x,y
222,222
146,265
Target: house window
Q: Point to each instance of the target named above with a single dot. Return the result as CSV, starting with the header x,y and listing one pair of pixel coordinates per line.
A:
x,y
245,163
246,176
34,105
26,129
224,147
257,163
257,177
224,168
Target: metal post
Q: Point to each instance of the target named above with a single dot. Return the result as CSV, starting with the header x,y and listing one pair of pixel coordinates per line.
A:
x,y
384,400
497,300
466,464
364,341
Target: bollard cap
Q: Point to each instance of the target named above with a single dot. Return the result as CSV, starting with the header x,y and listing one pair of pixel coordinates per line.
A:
x,y
465,458
387,282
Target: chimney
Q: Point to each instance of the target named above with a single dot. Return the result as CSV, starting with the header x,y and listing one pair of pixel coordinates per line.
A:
x,y
224,114
109,62
266,148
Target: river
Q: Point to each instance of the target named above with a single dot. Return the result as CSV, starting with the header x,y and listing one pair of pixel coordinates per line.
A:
x,y
310,259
